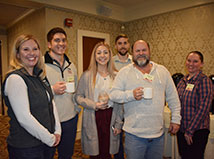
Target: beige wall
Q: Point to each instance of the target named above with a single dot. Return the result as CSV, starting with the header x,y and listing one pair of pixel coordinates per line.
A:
x,y
80,21
32,24
41,21
172,35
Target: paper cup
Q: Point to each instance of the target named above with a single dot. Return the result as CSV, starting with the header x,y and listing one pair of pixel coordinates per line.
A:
x,y
70,87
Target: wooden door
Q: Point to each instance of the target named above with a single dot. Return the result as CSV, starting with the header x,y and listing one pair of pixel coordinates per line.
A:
x,y
88,45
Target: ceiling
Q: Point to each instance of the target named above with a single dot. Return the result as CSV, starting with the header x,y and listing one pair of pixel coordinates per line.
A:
x,y
13,10
125,3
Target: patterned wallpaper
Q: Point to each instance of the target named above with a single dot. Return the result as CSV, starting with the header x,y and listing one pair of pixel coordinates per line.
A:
x,y
41,21
173,35
80,21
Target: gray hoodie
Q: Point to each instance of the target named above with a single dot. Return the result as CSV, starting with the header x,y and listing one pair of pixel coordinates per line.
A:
x,y
144,118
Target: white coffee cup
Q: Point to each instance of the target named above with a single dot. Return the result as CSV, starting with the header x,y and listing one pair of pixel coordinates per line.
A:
x,y
147,93
70,87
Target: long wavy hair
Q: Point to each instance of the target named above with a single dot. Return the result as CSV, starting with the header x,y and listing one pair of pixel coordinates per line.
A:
x,y
16,63
93,66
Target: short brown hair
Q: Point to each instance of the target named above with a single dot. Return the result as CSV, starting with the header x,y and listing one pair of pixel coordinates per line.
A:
x,y
121,36
53,31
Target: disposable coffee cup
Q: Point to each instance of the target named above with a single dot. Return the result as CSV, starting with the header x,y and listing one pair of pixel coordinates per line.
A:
x,y
147,93
70,87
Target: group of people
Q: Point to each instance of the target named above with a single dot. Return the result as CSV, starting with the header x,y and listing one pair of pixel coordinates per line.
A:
x,y
112,91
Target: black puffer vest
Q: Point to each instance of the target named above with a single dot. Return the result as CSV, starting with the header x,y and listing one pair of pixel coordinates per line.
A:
x,y
41,108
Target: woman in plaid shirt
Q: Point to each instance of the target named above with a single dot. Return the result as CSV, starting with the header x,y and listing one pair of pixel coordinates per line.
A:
x,y
195,93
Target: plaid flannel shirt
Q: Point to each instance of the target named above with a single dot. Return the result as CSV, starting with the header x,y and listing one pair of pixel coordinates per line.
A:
x,y
196,96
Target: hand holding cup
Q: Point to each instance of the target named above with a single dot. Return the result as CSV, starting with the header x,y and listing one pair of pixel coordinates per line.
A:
x,y
103,97
147,93
102,100
141,92
59,88
138,93
70,87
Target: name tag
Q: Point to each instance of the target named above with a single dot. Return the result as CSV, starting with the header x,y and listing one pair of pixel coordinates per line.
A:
x,y
70,79
189,87
148,77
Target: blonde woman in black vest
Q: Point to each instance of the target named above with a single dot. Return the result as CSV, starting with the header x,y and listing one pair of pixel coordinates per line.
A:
x,y
34,123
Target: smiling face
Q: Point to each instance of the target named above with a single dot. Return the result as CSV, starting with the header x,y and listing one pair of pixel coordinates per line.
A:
x,y
141,53
122,46
193,63
28,54
102,56
58,44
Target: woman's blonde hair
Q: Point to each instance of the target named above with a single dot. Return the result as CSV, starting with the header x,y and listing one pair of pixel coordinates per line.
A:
x,y
16,63
93,63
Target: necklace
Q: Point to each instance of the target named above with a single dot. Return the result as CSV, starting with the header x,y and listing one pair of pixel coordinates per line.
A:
x,y
103,74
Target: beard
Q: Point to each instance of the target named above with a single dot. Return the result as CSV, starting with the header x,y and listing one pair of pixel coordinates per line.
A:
x,y
123,53
141,62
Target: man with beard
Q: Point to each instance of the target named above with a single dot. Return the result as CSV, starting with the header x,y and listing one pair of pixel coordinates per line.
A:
x,y
122,58
143,116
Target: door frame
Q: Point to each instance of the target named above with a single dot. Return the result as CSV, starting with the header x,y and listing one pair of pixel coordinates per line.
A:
x,y
80,35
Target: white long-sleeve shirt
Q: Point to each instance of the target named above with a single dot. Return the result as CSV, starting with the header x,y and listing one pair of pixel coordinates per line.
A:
x,y
16,90
103,84
144,118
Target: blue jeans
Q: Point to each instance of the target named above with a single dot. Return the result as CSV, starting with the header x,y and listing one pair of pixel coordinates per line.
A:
x,y
38,152
120,154
66,145
143,148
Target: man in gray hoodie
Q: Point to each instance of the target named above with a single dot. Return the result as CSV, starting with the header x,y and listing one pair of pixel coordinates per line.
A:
x,y
143,113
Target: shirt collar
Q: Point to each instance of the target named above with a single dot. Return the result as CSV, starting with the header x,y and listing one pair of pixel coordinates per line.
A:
x,y
128,59
49,59
194,78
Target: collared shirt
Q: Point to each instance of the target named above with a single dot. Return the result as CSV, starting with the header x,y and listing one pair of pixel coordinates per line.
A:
x,y
119,64
196,96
